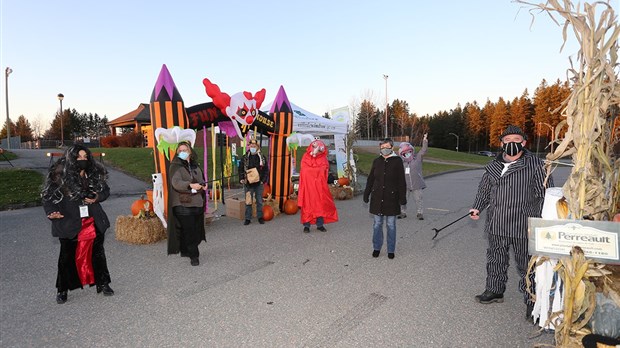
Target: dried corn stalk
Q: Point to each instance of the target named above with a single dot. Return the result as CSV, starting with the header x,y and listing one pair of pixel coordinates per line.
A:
x,y
593,187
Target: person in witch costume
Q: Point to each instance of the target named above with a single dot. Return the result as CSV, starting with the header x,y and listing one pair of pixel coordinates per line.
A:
x,y
186,204
315,199
73,189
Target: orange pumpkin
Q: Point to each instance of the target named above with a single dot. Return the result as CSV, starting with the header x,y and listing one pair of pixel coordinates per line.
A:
x,y
290,207
218,194
141,204
267,212
344,181
266,190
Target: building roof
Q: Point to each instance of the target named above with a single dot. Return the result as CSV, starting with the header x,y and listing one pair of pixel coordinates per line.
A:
x,y
141,115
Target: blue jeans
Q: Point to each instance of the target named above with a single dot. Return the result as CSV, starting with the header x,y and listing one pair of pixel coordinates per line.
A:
x,y
256,192
319,222
377,235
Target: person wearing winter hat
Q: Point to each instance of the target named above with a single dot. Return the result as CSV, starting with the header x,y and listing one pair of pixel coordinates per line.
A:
x,y
413,175
513,189
253,173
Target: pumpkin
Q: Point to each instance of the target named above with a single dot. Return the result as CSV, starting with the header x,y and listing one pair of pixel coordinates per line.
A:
x,y
344,181
218,194
290,207
267,212
266,190
141,204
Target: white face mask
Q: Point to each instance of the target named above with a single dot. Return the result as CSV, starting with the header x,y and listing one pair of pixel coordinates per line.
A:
x,y
183,155
253,150
386,152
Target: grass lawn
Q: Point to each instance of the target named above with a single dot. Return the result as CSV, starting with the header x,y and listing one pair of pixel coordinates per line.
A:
x,y
22,188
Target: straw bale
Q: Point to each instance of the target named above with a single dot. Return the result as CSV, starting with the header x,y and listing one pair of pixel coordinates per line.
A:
x,y
139,231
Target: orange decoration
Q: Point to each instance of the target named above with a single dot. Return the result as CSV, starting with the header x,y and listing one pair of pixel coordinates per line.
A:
x,y
266,190
267,212
141,204
290,207
344,181
218,194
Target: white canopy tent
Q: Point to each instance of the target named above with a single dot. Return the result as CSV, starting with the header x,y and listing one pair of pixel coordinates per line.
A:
x,y
307,122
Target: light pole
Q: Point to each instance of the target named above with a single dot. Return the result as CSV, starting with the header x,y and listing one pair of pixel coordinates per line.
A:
x,y
7,72
62,130
386,105
457,141
552,133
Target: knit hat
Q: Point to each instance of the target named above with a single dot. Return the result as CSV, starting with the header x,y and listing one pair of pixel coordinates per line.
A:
x,y
511,129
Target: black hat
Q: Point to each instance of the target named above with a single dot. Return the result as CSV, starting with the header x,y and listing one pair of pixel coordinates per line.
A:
x,y
511,129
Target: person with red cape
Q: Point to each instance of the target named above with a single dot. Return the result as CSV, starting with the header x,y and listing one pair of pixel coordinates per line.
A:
x,y
315,199
72,192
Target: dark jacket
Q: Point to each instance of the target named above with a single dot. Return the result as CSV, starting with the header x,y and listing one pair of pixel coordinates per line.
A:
x,y
513,197
254,161
71,224
386,186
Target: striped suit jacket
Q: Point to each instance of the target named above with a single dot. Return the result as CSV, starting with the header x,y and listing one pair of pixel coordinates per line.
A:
x,y
513,197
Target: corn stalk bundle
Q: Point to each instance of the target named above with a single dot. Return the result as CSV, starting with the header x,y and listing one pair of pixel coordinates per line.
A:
x,y
592,189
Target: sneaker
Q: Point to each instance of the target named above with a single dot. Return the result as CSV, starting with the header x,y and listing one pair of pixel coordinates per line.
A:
x,y
420,216
246,222
390,255
261,221
401,216
375,253
306,229
489,297
194,261
322,229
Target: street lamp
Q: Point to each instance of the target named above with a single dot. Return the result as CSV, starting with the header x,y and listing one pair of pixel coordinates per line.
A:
x,y
7,72
457,141
386,105
62,130
552,133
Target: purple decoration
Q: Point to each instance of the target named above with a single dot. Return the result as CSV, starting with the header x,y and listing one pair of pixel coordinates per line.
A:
x,y
280,100
164,81
227,128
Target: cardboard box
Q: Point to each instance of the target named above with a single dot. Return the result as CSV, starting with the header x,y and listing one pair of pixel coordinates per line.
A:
x,y
235,208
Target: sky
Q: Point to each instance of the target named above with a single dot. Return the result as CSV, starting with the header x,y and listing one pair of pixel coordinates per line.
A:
x,y
105,56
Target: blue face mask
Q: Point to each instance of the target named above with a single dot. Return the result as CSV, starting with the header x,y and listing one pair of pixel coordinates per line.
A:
x,y
253,150
183,155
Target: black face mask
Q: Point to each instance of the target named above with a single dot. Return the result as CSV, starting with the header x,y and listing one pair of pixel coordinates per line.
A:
x,y
83,164
513,148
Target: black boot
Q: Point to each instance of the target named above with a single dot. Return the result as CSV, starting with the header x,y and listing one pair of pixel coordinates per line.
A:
x,y
107,290
61,297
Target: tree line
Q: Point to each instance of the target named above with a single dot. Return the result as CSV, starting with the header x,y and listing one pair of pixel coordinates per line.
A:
x,y
471,127
75,126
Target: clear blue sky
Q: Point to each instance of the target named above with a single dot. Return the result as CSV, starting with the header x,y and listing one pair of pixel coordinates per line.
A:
x,y
105,56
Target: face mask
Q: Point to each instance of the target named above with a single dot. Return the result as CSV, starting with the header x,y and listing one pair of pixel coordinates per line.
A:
x,y
183,155
253,150
513,148
386,152
83,164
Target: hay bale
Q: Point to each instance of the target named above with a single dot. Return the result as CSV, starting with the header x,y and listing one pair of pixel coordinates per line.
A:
x,y
139,231
341,192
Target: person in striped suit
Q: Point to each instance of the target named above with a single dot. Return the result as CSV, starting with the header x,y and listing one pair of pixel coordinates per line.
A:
x,y
513,189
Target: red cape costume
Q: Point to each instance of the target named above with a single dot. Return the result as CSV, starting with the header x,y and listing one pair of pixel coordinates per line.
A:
x,y
314,197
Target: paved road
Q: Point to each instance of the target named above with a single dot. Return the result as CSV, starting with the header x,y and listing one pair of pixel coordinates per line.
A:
x,y
270,285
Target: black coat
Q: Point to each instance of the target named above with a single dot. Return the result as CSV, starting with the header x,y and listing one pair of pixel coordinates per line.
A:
x,y
386,186
513,197
71,224
253,161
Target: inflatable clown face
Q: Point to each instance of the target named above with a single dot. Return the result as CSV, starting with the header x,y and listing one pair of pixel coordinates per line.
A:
x,y
406,152
317,148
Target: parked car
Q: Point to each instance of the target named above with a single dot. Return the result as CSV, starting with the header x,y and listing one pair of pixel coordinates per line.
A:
x,y
487,153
